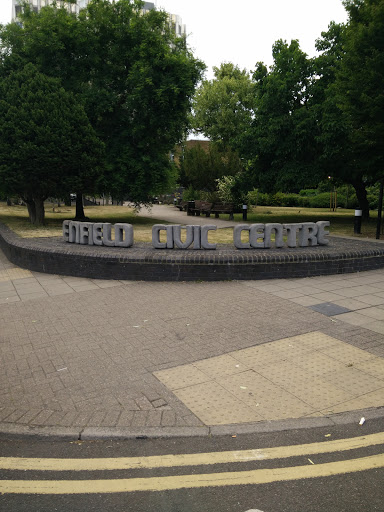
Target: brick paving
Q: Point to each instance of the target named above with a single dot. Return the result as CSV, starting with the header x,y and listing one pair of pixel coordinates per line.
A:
x,y
78,352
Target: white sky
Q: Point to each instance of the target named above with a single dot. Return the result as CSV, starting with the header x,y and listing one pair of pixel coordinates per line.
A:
x,y
243,33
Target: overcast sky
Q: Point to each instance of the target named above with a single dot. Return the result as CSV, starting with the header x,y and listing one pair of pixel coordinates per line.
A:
x,y
243,33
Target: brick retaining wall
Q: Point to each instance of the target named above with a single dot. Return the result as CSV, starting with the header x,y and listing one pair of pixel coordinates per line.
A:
x,y
143,262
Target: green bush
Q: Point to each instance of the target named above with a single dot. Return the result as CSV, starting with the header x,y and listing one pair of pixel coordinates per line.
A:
x,y
373,201
310,198
308,192
276,199
210,197
257,198
320,201
190,194
323,200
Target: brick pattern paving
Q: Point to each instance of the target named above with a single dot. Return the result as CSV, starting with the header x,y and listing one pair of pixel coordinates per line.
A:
x,y
82,352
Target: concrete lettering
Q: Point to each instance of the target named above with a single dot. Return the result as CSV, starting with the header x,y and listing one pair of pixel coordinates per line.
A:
x,y
259,236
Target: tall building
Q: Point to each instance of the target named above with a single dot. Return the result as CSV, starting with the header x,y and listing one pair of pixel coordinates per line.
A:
x,y
38,4
175,21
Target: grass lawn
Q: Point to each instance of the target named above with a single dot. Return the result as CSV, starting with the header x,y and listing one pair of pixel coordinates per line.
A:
x,y
342,221
16,217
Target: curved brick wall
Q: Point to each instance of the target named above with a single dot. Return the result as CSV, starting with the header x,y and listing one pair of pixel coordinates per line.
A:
x,y
143,262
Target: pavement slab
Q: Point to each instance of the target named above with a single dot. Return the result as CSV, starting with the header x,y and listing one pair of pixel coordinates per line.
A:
x,y
89,353
290,378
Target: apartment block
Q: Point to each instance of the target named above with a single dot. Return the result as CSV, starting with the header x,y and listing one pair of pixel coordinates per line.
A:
x,y
175,21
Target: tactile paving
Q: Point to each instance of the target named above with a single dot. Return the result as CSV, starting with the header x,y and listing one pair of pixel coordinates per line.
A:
x,y
308,375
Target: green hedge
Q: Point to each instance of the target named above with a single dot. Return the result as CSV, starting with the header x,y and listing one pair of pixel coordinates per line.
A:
x,y
306,199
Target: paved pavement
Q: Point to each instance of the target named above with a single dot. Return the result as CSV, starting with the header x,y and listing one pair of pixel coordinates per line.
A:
x,y
187,357
169,213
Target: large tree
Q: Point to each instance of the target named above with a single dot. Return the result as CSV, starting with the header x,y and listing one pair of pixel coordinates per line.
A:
x,y
353,114
279,143
47,145
134,77
223,107
201,168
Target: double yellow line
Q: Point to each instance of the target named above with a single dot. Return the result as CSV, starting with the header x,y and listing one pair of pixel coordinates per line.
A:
x,y
255,477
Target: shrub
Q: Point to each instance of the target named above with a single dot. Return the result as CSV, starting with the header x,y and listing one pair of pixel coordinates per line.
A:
x,y
320,201
190,194
308,192
276,199
373,201
257,198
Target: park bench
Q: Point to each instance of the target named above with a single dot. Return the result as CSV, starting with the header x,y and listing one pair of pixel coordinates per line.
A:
x,y
182,206
199,207
218,208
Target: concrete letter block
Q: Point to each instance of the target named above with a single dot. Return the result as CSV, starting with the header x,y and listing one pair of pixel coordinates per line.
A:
x,y
169,230
321,233
123,235
66,230
292,230
74,232
237,230
107,235
256,231
86,233
177,236
307,234
196,237
204,236
278,228
156,236
98,233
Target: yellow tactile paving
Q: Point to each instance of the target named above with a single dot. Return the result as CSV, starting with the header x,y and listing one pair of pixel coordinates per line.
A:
x,y
11,274
182,376
303,376
215,405
221,366
373,367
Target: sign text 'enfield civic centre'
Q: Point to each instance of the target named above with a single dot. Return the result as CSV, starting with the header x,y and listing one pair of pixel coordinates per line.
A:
x,y
258,236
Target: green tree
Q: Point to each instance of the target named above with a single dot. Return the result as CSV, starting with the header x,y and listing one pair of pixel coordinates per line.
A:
x,y
280,142
223,107
47,145
202,168
353,119
134,77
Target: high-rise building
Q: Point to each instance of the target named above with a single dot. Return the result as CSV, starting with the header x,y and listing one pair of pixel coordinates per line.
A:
x,y
38,4
175,21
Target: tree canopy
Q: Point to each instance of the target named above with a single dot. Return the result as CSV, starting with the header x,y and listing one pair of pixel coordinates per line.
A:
x,y
201,168
133,76
279,143
305,119
47,145
223,107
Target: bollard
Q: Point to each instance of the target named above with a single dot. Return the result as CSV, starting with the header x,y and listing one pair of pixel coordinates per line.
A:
x,y
190,206
357,226
245,210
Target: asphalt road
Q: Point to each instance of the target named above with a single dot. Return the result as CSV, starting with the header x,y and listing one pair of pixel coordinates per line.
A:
x,y
341,470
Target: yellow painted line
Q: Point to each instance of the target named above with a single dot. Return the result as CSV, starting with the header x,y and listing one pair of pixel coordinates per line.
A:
x,y
192,459
255,477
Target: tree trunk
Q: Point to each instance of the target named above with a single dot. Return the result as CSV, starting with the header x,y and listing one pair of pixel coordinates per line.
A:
x,y
80,215
31,211
36,211
361,194
40,212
